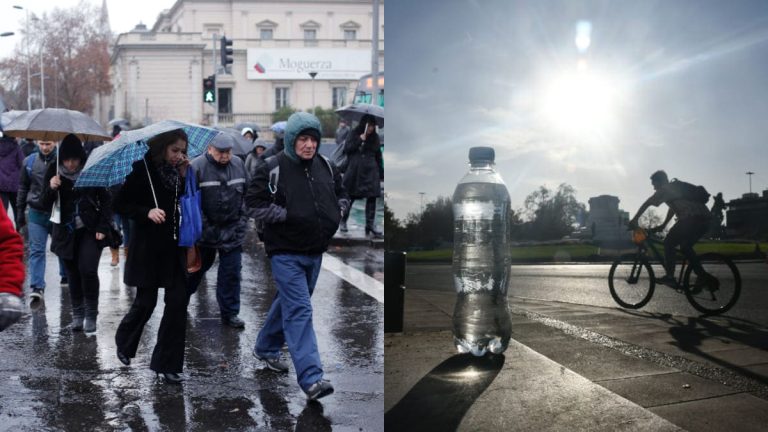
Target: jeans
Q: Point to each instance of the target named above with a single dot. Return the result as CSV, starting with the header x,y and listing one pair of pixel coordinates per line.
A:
x,y
38,239
227,280
290,316
82,272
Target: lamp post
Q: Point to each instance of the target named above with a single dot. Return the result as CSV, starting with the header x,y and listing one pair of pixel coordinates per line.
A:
x,y
29,74
313,75
750,173
4,34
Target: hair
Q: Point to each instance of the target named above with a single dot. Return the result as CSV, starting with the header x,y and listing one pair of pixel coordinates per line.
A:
x,y
360,128
159,143
660,175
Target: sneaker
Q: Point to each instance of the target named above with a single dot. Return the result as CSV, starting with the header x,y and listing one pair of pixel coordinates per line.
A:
x,y
705,281
273,363
343,227
667,280
319,389
64,281
37,295
233,321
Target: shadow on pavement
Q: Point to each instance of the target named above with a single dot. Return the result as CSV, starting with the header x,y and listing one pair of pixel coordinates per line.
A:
x,y
440,399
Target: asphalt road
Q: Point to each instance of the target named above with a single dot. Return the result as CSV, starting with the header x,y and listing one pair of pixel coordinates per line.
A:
x,y
588,284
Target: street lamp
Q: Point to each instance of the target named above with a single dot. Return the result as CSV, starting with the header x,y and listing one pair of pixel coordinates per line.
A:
x,y
750,173
42,75
4,34
29,77
313,75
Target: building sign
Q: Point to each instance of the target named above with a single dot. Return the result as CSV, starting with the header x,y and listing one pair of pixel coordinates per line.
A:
x,y
297,63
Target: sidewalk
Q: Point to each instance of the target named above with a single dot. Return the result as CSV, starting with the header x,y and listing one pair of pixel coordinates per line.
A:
x,y
575,367
356,225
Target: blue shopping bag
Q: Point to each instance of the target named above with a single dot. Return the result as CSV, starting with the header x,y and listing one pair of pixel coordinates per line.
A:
x,y
191,224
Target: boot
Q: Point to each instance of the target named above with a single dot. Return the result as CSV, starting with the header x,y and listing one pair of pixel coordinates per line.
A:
x,y
370,218
115,256
78,313
90,324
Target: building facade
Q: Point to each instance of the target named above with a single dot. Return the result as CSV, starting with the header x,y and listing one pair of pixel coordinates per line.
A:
x,y
606,221
158,72
747,217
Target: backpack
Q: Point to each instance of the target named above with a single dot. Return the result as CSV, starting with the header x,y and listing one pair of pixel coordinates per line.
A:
x,y
690,192
273,166
29,162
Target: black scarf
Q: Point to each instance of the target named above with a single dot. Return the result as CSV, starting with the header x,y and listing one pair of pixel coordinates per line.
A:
x,y
169,176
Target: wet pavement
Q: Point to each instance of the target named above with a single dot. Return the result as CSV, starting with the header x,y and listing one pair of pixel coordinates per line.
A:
x,y
54,379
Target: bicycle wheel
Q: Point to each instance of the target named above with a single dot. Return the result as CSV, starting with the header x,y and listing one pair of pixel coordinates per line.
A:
x,y
716,293
631,281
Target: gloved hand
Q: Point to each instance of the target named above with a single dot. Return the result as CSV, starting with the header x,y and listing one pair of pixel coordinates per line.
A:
x,y
11,309
343,206
275,214
21,220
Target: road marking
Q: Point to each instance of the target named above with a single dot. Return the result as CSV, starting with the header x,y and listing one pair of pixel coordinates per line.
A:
x,y
360,280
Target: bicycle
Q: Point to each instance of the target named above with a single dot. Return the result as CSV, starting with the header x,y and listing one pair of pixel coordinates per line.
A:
x,y
632,281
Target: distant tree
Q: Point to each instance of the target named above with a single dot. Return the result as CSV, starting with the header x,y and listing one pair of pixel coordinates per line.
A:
x,y
552,214
394,232
283,113
650,219
329,120
436,223
75,60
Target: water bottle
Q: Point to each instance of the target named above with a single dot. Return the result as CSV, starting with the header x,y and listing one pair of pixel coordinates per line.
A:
x,y
481,257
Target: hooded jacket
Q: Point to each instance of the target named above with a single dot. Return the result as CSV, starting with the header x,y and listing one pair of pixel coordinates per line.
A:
x,y
365,169
11,158
31,183
307,191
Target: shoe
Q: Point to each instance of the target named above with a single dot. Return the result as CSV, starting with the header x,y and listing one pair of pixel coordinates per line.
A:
x,y
90,325
123,358
169,377
343,227
77,323
373,233
115,257
37,295
706,281
319,389
234,321
64,281
273,363
667,280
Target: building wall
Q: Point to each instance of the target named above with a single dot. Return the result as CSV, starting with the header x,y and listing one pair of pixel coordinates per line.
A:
x,y
607,219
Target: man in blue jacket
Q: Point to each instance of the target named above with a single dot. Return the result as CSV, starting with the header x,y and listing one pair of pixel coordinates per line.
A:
x,y
299,196
222,182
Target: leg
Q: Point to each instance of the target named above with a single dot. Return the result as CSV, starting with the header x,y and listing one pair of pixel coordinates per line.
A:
x,y
343,224
88,264
38,237
4,196
675,236
129,331
228,282
271,338
207,256
370,217
290,272
168,355
75,293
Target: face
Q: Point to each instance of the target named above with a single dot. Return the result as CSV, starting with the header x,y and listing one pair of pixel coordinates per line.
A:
x,y
71,164
46,147
259,151
305,147
370,128
248,136
657,183
176,152
221,156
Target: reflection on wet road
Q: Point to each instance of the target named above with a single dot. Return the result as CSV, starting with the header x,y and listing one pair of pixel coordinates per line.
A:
x,y
59,380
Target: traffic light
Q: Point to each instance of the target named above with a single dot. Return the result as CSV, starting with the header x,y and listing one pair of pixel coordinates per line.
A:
x,y
209,89
226,52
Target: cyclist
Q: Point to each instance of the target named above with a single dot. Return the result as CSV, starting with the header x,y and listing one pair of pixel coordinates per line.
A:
x,y
693,219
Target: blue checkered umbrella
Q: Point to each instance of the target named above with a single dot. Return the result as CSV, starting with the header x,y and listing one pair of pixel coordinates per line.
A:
x,y
111,163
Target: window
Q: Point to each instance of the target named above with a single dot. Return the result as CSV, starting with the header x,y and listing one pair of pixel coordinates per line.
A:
x,y
339,97
266,34
350,35
281,97
225,101
310,34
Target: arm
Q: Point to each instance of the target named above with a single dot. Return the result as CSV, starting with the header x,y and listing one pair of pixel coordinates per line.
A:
x,y
341,193
670,213
21,198
258,198
640,211
48,195
12,276
126,202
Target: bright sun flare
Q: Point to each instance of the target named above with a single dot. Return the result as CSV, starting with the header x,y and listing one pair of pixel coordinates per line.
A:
x,y
581,102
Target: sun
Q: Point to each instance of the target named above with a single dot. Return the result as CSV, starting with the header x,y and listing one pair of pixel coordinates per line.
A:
x,y
582,102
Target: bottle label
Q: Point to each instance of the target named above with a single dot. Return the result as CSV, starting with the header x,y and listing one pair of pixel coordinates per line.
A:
x,y
475,210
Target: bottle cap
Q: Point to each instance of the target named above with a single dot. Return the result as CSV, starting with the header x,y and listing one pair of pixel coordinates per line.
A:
x,y
477,154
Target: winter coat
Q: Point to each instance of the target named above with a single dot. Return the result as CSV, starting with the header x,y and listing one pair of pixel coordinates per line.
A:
x,y
31,184
251,163
11,257
304,213
222,190
11,158
364,170
341,135
155,256
93,205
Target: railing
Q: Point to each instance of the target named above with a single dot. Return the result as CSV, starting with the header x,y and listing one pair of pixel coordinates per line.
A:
x,y
264,120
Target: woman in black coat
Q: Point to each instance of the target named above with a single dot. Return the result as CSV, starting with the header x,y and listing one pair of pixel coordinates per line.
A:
x,y
156,260
365,171
79,238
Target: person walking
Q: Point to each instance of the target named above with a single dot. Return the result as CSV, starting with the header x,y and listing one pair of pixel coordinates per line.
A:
x,y
342,132
30,190
300,197
365,171
78,239
11,272
156,259
222,181
11,160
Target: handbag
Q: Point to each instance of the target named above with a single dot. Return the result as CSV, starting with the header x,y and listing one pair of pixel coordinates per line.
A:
x,y
191,223
114,237
194,260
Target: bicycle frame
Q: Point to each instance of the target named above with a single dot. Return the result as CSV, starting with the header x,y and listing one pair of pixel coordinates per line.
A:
x,y
649,243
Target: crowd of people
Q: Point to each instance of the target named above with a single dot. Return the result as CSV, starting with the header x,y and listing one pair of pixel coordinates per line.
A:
x,y
298,198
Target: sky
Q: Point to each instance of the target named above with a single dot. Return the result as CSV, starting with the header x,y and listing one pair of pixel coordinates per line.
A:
x,y
123,15
596,94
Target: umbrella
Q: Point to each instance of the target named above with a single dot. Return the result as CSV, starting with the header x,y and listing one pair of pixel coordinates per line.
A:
x,y
119,122
355,112
279,127
53,124
251,125
7,117
109,164
241,144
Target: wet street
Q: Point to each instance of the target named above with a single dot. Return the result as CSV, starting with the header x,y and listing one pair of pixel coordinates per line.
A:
x,y
56,379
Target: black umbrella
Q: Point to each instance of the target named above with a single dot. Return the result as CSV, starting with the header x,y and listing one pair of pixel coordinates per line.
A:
x,y
123,123
7,117
355,112
242,146
53,124
251,125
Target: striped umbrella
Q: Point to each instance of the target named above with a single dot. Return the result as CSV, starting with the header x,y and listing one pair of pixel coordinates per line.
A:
x,y
111,163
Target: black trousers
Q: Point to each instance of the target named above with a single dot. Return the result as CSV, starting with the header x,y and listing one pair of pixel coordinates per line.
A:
x,y
685,233
82,272
370,212
168,355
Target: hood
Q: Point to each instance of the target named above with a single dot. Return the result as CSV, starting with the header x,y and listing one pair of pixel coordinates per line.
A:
x,y
7,146
297,123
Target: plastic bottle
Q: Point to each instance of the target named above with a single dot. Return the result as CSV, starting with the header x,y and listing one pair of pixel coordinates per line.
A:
x,y
481,257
